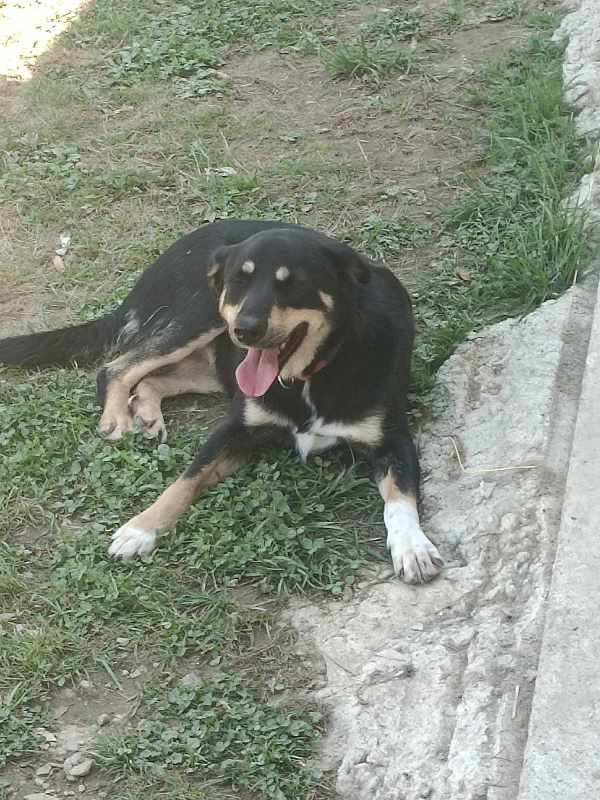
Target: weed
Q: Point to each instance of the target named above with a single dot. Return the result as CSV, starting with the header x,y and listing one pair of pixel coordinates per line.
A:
x,y
361,59
505,9
213,24
19,719
383,238
452,17
220,728
395,23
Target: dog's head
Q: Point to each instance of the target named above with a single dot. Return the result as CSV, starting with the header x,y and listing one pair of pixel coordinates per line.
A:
x,y
280,292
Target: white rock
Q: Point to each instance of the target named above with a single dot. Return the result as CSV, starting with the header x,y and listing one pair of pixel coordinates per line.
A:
x,y
77,765
40,796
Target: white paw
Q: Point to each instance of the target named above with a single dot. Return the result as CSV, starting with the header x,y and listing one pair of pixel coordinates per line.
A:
x,y
130,541
115,427
415,558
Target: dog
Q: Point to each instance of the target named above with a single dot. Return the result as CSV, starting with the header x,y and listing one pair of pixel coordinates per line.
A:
x,y
311,341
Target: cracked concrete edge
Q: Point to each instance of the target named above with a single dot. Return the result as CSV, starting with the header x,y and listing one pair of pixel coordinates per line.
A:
x,y
561,755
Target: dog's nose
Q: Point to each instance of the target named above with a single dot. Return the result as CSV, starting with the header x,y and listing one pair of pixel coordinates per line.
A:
x,y
249,330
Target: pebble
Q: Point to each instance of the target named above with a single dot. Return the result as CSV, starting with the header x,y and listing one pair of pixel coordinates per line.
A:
x,y
191,680
138,672
45,770
103,719
49,737
77,765
40,796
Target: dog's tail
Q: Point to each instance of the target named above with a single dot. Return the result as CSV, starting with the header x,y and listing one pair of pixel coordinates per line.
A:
x,y
63,345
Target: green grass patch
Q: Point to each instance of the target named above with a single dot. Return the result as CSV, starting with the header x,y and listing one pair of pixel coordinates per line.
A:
x,y
279,525
222,730
385,238
395,23
185,44
511,241
359,58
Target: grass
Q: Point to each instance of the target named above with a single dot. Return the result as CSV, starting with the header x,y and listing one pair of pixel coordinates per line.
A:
x,y
74,488
220,729
360,58
148,141
511,235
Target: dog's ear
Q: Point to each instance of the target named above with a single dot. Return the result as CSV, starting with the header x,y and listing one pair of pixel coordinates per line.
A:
x,y
216,265
348,263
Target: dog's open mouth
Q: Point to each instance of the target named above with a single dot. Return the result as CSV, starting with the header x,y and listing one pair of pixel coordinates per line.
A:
x,y
261,366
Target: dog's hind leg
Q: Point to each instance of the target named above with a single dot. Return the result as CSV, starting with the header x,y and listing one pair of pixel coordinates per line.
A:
x,y
415,558
195,374
231,445
117,379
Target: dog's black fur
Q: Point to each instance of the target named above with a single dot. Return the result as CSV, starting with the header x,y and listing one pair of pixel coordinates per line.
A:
x,y
346,321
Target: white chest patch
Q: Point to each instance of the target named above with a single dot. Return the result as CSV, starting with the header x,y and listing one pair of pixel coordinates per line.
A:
x,y
322,435
318,435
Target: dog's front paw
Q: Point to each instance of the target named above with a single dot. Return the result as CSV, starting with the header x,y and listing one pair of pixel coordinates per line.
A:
x,y
148,418
415,558
115,427
130,541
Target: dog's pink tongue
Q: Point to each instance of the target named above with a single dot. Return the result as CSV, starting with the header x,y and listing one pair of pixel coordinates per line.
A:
x,y
257,371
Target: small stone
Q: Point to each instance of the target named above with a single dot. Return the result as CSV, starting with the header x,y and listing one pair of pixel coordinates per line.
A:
x,y
85,685
103,719
122,642
191,680
125,673
81,788
77,765
39,796
137,673
418,626
45,770
82,769
49,737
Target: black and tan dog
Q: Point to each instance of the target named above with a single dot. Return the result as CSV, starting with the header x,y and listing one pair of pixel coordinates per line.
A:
x,y
311,340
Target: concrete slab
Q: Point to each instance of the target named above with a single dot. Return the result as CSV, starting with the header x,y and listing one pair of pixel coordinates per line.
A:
x,y
562,755
430,687
561,758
